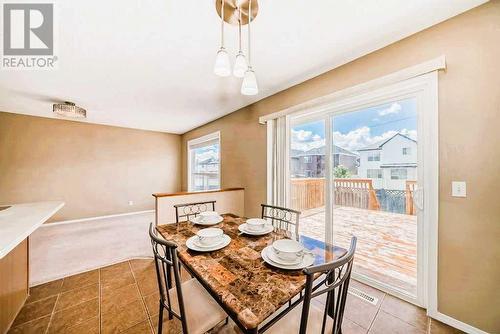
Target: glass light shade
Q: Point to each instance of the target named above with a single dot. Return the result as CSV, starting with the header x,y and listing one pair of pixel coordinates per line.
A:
x,y
222,65
69,109
240,65
249,85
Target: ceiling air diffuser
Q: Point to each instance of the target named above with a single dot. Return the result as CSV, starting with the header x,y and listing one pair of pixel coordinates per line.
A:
x,y
69,109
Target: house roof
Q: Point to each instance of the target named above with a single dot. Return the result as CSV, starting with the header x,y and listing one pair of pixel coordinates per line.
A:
x,y
321,151
378,145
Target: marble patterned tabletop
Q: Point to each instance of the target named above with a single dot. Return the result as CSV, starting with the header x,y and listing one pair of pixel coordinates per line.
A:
x,y
243,282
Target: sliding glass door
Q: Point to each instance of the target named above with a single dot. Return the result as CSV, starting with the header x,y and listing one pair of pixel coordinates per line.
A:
x,y
374,154
355,172
307,177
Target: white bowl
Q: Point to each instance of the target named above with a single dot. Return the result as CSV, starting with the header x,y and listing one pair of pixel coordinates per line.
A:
x,y
210,236
288,250
209,216
256,224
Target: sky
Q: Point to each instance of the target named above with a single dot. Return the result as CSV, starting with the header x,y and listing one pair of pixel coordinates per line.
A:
x,y
355,130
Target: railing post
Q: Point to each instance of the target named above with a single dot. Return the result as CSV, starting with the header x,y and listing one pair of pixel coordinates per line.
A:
x,y
410,188
373,203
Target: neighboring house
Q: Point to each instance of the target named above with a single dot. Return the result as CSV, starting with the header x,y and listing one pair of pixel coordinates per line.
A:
x,y
206,174
311,163
389,162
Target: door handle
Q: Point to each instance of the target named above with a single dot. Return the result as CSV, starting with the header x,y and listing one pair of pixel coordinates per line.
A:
x,y
418,198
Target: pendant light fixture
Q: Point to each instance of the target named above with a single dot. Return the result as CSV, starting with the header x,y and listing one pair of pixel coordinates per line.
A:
x,y
240,65
237,12
222,65
249,85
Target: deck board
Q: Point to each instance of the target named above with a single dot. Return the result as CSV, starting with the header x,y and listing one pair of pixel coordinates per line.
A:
x,y
387,242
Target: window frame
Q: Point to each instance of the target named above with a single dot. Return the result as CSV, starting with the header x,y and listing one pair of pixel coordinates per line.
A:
x,y
214,136
399,174
379,172
372,154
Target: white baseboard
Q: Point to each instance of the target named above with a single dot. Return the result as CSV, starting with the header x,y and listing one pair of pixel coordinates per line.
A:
x,y
455,323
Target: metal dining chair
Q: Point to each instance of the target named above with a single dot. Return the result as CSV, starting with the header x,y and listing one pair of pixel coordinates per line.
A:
x,y
282,218
186,211
305,317
189,302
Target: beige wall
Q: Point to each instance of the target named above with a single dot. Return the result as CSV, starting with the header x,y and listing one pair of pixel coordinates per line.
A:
x,y
95,169
469,135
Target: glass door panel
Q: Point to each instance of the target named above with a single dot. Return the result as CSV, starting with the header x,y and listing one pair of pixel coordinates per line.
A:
x,y
307,183
374,156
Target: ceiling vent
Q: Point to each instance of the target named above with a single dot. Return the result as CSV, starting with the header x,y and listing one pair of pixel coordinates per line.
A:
x,y
69,109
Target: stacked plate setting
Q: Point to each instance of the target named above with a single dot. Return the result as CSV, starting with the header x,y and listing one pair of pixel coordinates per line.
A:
x,y
208,239
287,254
256,226
207,218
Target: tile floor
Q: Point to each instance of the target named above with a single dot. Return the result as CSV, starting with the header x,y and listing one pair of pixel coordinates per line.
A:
x,y
123,298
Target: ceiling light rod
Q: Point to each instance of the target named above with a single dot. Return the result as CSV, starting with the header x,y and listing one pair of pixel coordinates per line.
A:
x,y
240,65
222,24
222,65
249,85
239,27
249,39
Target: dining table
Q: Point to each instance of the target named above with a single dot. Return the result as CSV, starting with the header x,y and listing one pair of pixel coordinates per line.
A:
x,y
248,289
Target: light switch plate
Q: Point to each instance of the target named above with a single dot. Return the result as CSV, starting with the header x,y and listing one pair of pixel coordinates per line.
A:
x,y
458,189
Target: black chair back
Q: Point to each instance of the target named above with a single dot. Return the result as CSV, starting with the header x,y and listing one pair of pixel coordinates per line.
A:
x,y
166,263
335,283
282,218
189,210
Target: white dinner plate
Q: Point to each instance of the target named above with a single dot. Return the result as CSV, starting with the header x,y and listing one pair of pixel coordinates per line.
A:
x,y
197,220
266,230
307,260
193,245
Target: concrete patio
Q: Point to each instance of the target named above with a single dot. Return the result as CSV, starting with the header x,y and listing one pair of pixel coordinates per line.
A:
x,y
387,242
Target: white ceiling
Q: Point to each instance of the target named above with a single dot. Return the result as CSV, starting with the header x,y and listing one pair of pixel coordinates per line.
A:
x,y
148,64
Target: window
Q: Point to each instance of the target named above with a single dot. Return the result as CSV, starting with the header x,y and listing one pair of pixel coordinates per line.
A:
x,y
374,156
374,173
204,163
307,159
399,174
406,150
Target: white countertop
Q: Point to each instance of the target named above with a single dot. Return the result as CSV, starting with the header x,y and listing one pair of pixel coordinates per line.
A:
x,y
20,220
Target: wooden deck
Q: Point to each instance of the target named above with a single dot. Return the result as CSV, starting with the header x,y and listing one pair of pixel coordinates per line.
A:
x,y
387,242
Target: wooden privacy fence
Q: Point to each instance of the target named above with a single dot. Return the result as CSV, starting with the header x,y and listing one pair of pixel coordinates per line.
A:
x,y
309,193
